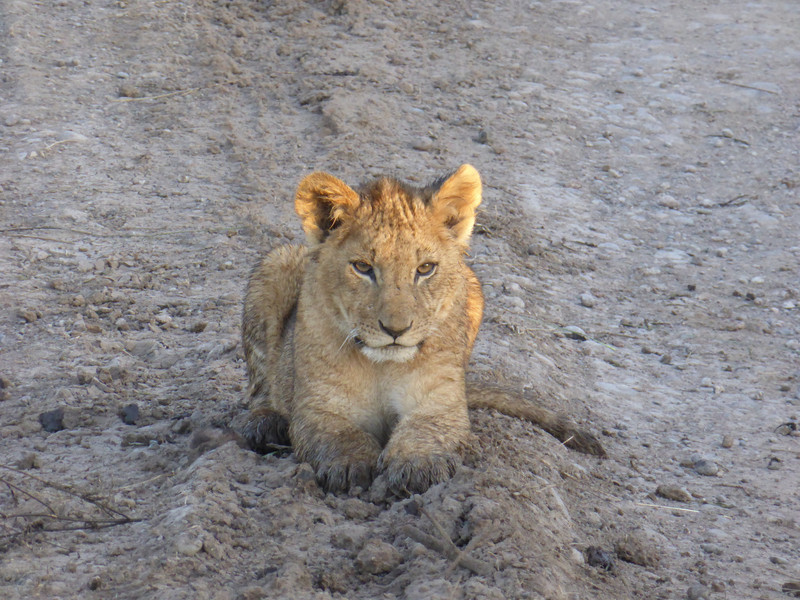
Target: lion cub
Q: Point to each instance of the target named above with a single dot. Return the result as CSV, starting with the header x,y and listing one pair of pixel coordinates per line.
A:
x,y
357,344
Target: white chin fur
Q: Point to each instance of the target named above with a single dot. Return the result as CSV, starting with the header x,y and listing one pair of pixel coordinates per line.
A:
x,y
389,353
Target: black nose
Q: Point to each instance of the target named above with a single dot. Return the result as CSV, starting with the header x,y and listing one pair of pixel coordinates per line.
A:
x,y
395,333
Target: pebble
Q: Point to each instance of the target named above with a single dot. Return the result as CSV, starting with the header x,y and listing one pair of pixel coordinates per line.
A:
x,y
673,492
588,300
182,426
85,374
130,414
727,441
774,463
378,557
706,467
711,548
634,550
188,544
52,420
29,315
29,461
669,202
574,332
129,91
143,348
5,384
697,592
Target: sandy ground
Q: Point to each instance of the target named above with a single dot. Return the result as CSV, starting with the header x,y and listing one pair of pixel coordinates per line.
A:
x,y
638,245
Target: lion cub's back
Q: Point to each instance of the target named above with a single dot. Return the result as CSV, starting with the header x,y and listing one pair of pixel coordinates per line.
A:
x,y
270,302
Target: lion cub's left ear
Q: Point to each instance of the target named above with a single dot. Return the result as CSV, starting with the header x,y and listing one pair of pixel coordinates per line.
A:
x,y
456,200
321,201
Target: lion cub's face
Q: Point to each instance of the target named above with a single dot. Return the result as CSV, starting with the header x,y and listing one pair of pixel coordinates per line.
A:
x,y
390,257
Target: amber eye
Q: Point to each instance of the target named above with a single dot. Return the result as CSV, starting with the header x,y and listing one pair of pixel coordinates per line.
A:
x,y
426,269
362,267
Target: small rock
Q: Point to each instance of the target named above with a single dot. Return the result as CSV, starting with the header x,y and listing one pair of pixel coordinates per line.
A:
x,y
711,548
706,467
597,557
774,463
188,544
198,327
482,137
130,414
353,508
727,441
634,550
143,348
95,583
697,592
423,145
129,91
378,557
673,492
588,300
85,374
28,461
213,548
574,332
182,426
669,202
29,315
67,62
577,556
52,420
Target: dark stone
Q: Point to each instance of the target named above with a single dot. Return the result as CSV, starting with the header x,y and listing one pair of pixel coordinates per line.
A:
x,y
130,414
52,420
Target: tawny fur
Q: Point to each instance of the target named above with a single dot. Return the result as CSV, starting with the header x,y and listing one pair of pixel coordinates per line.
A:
x,y
357,344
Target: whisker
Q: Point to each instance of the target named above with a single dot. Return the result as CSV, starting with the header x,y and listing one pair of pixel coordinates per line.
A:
x,y
350,336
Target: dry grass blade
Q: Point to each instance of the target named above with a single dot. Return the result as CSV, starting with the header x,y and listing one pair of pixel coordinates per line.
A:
x,y
50,519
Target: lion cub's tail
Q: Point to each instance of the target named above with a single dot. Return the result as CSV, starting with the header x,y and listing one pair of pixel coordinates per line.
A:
x,y
513,404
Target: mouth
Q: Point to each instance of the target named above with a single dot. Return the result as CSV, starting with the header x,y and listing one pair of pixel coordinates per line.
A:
x,y
393,352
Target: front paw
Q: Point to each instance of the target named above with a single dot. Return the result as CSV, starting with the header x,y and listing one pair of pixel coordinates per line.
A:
x,y
340,477
414,475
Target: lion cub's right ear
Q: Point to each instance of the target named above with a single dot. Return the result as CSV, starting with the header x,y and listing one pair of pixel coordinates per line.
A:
x,y
321,201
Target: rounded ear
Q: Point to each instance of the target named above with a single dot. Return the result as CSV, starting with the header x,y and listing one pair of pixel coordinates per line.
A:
x,y
456,200
321,201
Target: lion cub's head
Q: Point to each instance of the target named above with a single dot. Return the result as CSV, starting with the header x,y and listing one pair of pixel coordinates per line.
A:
x,y
389,257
